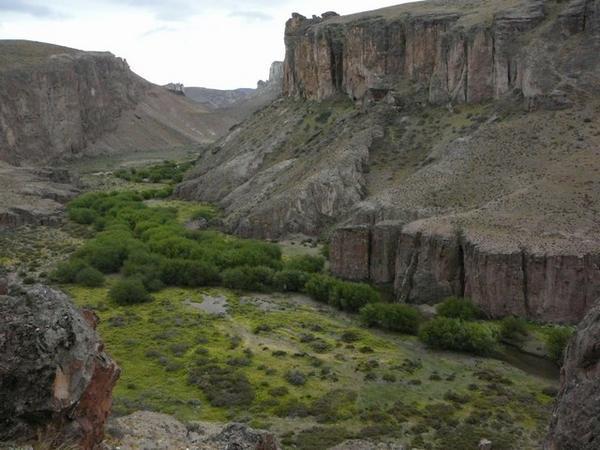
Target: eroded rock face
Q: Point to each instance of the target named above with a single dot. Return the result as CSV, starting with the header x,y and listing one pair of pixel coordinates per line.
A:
x,y
145,429
430,267
55,380
447,51
575,422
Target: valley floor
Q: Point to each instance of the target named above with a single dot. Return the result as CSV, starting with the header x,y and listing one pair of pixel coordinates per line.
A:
x,y
283,362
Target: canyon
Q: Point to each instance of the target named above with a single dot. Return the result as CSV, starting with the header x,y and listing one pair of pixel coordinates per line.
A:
x,y
442,148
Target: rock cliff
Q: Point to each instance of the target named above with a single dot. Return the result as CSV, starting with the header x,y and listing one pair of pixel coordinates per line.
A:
x,y
55,380
446,51
57,102
447,148
574,422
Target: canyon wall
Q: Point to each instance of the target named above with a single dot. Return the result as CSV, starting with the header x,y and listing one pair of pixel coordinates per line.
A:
x,y
58,103
65,102
444,51
426,268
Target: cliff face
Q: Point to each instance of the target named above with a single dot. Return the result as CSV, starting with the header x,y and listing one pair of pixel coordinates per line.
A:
x,y
574,422
57,102
492,195
55,380
446,51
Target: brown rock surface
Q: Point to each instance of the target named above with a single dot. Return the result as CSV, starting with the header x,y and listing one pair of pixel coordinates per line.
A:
x,y
59,102
55,380
575,424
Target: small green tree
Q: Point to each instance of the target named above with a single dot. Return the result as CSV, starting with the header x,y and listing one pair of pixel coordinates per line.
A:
x,y
513,329
90,277
557,339
446,333
129,291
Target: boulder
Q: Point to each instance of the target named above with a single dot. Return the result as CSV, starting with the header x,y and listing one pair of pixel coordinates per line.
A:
x,y
55,379
574,423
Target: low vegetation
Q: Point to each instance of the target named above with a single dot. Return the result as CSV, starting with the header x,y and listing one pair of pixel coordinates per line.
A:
x,y
167,171
557,339
455,334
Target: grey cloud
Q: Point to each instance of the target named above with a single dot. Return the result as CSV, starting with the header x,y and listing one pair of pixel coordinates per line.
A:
x,y
27,7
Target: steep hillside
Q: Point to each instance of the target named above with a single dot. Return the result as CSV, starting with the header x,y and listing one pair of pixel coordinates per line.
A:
x,y
58,102
445,147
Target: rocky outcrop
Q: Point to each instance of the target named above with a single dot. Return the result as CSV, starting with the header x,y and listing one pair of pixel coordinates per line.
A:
x,y
443,51
145,429
57,103
55,380
574,423
30,196
430,267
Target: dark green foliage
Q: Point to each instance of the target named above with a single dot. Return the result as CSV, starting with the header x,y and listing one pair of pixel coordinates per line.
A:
x,y
290,280
557,339
223,386
305,263
249,278
295,377
90,277
83,216
67,271
353,296
185,272
129,291
320,287
391,316
454,334
165,172
513,329
458,308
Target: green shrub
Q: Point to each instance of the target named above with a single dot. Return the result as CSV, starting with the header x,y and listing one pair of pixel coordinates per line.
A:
x,y
353,296
223,386
83,216
306,263
290,280
185,272
458,308
556,340
67,271
320,287
393,317
129,291
145,266
248,278
90,277
454,334
513,329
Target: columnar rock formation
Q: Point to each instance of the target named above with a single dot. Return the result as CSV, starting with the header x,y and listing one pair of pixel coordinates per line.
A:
x,y
575,423
55,380
450,52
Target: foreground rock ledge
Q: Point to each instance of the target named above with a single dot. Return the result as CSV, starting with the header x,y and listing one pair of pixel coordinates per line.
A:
x,y
55,380
575,421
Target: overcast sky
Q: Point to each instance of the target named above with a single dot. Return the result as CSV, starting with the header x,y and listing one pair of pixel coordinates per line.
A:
x,y
213,43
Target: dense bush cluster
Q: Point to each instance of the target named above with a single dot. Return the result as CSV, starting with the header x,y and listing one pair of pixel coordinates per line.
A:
x,y
513,330
458,308
392,316
446,333
152,250
165,172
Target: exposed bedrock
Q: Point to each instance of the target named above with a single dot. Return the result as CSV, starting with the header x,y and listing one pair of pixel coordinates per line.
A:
x,y
447,50
425,268
55,380
574,424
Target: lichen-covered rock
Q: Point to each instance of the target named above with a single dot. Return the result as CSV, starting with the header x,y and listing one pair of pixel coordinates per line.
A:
x,y
575,423
144,429
55,380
